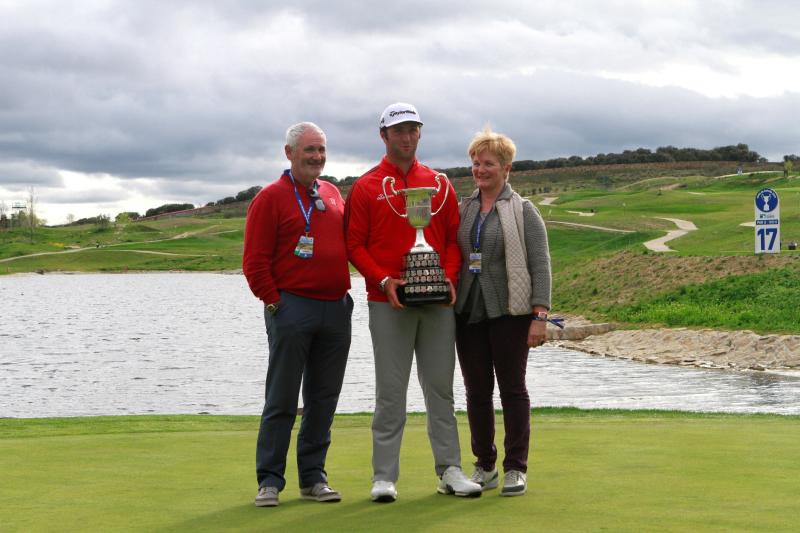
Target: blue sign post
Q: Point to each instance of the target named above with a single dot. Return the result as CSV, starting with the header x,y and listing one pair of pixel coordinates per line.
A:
x,y
768,222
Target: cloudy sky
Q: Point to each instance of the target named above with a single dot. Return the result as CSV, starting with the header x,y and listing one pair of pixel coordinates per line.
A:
x,y
107,106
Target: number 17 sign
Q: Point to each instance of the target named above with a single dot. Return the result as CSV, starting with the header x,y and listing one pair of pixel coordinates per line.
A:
x,y
768,222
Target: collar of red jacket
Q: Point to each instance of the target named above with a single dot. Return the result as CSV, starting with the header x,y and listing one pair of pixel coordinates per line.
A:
x,y
393,170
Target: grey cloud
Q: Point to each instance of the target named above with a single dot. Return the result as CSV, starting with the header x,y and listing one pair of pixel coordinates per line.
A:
x,y
97,196
20,174
199,95
558,114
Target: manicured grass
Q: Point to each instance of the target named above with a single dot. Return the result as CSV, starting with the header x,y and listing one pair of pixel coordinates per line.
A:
x,y
589,471
717,208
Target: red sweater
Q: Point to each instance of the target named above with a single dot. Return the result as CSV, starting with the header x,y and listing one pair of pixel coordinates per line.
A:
x,y
377,238
274,225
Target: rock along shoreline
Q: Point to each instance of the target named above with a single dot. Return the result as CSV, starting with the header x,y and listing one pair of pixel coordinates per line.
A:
x,y
702,348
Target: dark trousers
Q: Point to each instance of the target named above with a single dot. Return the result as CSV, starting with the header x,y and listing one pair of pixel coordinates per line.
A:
x,y
489,348
308,341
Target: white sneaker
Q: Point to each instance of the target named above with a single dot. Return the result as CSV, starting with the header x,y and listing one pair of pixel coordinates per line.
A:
x,y
487,480
267,497
383,492
455,482
515,483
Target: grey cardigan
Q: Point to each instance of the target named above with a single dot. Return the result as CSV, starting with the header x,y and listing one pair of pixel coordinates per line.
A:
x,y
493,278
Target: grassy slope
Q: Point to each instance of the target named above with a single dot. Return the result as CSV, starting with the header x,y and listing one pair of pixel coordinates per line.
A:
x,y
744,291
199,244
671,472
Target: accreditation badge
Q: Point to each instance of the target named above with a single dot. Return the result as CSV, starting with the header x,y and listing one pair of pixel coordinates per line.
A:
x,y
475,263
305,247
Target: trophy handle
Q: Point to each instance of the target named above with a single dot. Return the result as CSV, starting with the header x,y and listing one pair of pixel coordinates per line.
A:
x,y
439,188
390,180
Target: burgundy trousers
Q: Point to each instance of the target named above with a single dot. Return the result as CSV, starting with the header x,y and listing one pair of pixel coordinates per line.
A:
x,y
496,347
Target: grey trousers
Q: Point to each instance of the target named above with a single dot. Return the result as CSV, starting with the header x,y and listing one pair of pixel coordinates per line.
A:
x,y
428,330
308,340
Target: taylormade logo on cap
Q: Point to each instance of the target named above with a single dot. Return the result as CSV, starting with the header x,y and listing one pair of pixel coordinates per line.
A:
x,y
397,113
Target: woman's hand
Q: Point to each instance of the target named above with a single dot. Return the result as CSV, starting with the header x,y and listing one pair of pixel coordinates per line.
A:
x,y
536,333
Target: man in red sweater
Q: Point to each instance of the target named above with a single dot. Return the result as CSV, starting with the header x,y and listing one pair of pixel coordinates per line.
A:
x,y
295,261
377,239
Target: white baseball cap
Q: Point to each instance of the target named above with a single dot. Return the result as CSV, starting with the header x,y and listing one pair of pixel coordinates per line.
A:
x,y
399,112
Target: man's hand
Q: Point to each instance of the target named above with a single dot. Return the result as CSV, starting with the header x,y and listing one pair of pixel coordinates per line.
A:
x,y
390,288
272,308
452,292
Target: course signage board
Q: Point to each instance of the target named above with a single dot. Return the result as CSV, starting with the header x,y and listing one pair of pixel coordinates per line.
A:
x,y
768,222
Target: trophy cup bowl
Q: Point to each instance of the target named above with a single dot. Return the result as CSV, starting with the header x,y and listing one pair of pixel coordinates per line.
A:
x,y
422,270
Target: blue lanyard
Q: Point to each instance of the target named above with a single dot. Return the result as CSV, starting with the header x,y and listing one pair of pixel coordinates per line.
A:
x,y
306,214
477,241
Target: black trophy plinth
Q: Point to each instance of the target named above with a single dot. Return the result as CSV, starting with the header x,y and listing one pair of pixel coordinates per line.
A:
x,y
425,280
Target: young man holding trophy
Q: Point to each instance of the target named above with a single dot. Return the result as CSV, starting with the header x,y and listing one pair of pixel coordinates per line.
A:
x,y
410,267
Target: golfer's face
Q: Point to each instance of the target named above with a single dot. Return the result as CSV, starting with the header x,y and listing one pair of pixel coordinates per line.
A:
x,y
401,141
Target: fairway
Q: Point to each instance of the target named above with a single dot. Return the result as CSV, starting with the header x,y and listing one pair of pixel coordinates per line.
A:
x,y
589,471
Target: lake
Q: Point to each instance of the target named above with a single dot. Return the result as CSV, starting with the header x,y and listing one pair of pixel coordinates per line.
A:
x,y
115,344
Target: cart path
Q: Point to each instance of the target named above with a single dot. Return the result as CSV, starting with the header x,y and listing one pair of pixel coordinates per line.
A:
x,y
659,245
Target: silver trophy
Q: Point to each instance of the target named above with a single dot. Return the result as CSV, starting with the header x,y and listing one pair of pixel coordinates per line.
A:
x,y
422,270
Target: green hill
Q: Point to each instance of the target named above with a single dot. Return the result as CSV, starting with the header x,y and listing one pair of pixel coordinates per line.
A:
x,y
603,271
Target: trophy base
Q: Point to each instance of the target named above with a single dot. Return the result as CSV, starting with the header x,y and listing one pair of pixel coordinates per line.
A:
x,y
425,281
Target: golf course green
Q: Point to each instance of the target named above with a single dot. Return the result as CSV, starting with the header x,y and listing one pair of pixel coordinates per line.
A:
x,y
590,470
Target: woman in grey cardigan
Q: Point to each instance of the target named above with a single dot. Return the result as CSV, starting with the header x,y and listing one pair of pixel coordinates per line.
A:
x,y
501,308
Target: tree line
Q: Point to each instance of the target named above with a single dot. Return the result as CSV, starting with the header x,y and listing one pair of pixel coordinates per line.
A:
x,y
664,154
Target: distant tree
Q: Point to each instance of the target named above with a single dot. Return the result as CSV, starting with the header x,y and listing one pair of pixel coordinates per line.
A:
x,y
31,211
70,218
103,222
167,208
248,194
122,219
3,216
788,165
132,215
349,180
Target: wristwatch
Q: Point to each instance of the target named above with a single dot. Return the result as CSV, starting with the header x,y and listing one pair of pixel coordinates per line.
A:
x,y
383,282
272,308
540,315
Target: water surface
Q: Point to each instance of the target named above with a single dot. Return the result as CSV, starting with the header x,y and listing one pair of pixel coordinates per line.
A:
x,y
105,344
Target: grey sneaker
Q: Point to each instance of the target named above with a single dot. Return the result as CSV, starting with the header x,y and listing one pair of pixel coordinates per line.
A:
x,y
455,482
383,492
487,480
267,497
320,492
515,483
